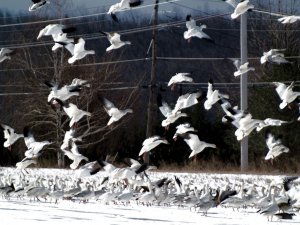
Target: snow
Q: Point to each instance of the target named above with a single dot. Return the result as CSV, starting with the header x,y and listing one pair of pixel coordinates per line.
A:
x,y
24,211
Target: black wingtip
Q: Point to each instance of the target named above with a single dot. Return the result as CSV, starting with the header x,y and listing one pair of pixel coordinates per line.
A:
x,y
26,131
114,17
69,29
49,84
188,17
142,168
135,3
102,32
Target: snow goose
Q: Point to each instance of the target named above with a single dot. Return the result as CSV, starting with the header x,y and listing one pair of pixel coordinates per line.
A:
x,y
61,40
270,122
286,93
78,51
273,56
178,78
289,19
74,155
184,128
123,5
151,142
115,40
188,100
194,30
246,125
114,113
275,147
270,210
212,96
194,143
73,112
25,163
55,29
80,82
233,114
167,112
241,8
63,93
69,136
243,69
5,53
233,3
10,136
37,4
34,147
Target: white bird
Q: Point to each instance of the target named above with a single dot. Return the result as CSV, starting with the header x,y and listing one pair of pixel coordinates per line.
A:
x,y
123,5
212,96
10,136
241,8
270,122
275,147
167,112
273,56
5,53
178,78
194,143
74,155
73,112
289,19
61,40
25,163
286,93
187,100
63,93
69,136
34,147
151,142
80,82
114,113
184,128
37,4
115,40
55,29
78,51
233,114
194,30
246,125
243,69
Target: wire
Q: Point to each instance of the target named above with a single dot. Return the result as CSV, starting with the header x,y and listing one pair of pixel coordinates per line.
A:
x,y
79,17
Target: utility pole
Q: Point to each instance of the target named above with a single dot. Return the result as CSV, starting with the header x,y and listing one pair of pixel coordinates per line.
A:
x,y
152,87
244,89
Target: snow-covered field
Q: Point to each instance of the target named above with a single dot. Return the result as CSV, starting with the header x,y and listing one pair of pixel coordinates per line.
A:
x,y
24,211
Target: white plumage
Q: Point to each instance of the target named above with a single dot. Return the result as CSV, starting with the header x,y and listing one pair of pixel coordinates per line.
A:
x,y
275,147
78,51
187,100
37,4
243,69
212,96
289,19
74,155
180,77
151,143
286,93
5,54
10,136
194,30
273,56
115,41
241,8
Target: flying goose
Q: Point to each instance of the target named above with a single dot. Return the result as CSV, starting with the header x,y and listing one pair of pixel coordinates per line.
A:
x,y
69,136
114,113
74,155
5,53
233,3
270,122
73,112
188,100
194,143
78,51
243,69
273,56
151,142
212,96
123,5
55,29
10,136
61,40
34,148
194,30
286,93
25,163
241,8
63,93
115,40
275,147
246,125
289,19
233,114
178,78
167,112
37,4
80,82
184,128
